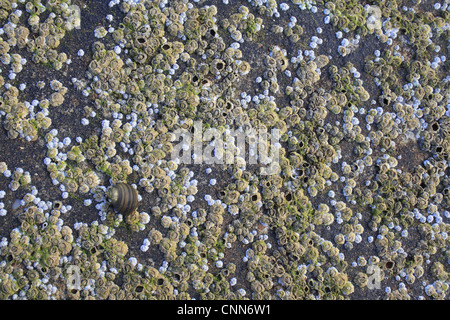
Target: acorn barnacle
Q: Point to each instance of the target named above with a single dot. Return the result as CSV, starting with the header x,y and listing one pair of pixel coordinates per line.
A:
x,y
123,197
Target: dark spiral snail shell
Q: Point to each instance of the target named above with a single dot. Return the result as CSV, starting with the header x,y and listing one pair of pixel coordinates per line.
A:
x,y
123,197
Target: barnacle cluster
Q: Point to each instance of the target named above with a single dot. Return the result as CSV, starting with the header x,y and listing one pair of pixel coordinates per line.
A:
x,y
356,204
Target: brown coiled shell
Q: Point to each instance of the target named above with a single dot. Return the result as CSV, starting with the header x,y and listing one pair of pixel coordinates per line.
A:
x,y
123,197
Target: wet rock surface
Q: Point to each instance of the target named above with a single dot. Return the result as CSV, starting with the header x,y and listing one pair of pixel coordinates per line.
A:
x,y
351,97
